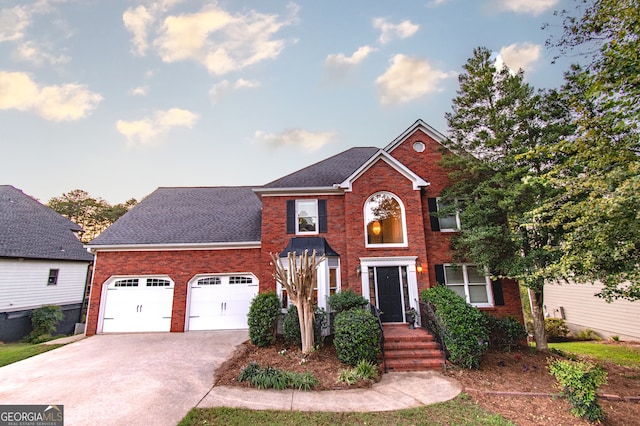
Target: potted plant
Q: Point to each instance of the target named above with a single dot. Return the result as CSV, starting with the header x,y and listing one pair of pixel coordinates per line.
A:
x,y
412,316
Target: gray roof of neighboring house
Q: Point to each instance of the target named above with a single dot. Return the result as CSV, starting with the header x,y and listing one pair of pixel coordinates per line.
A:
x,y
197,215
31,230
328,172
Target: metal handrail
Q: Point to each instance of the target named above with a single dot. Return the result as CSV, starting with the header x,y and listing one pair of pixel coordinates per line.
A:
x,y
432,324
376,313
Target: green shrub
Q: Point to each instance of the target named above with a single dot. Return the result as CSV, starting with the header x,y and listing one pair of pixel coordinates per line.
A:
x,y
579,382
357,336
587,334
44,321
291,325
465,331
364,370
504,333
557,330
263,318
272,378
345,300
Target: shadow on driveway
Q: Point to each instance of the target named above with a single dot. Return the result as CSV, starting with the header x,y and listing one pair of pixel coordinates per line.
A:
x,y
122,379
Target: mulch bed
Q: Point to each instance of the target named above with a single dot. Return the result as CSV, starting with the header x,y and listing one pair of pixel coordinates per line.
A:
x,y
516,385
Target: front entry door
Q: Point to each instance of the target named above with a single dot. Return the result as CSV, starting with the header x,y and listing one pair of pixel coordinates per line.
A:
x,y
389,294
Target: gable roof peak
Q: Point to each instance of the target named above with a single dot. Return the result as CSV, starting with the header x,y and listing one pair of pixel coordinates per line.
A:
x,y
419,124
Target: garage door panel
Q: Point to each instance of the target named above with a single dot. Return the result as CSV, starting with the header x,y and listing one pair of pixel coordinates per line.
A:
x,y
220,305
138,308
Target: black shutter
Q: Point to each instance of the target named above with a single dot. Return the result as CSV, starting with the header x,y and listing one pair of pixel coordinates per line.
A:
x,y
498,297
291,216
440,274
322,216
433,208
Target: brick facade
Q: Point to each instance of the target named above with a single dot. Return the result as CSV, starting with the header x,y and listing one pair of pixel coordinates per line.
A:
x,y
345,234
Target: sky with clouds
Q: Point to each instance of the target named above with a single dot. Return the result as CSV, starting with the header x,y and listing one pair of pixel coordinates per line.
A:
x,y
120,97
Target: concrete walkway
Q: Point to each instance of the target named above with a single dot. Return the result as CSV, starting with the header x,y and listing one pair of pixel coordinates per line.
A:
x,y
395,391
156,378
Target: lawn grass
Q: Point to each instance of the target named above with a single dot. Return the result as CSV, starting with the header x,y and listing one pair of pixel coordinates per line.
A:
x,y
13,352
459,411
619,354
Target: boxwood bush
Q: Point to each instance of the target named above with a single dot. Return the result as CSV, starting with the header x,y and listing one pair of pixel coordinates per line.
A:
x,y
557,330
504,333
263,318
579,382
465,330
357,336
345,300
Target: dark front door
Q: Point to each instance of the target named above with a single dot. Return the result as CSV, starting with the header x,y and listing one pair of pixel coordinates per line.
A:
x,y
389,295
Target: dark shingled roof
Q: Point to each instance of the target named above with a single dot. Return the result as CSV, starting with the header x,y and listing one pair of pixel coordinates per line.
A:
x,y
328,172
31,230
189,216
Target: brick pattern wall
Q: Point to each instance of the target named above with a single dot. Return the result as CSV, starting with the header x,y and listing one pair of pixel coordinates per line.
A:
x,y
345,234
181,266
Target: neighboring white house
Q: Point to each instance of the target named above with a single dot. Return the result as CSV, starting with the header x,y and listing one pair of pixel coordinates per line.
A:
x,y
581,309
42,262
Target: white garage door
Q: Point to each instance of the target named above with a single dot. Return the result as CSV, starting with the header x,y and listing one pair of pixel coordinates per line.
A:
x,y
221,302
138,304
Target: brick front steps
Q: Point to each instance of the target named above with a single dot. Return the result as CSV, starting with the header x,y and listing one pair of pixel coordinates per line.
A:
x,y
410,350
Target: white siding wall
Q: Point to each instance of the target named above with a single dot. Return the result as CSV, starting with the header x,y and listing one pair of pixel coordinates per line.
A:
x,y
23,283
583,310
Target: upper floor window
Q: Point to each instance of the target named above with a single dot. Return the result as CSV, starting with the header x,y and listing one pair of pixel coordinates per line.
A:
x,y
53,277
448,217
469,282
384,220
306,216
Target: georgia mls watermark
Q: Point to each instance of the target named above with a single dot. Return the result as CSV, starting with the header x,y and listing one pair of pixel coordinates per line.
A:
x,y
31,415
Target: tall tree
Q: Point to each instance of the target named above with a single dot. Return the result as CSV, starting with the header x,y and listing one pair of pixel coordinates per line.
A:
x,y
600,209
497,129
94,215
299,279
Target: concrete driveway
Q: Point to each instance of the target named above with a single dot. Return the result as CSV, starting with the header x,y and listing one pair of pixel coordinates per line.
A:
x,y
122,379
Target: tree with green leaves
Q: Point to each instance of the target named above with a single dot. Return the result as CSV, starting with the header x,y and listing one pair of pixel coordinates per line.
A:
x,y
497,127
94,215
599,209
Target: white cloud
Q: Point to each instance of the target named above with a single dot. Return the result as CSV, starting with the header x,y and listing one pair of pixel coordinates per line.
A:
x,y
56,103
339,61
220,41
139,91
225,87
30,51
408,79
436,3
309,141
389,31
533,7
519,56
137,22
152,129
13,22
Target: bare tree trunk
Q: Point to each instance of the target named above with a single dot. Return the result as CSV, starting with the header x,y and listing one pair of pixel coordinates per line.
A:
x,y
299,282
539,332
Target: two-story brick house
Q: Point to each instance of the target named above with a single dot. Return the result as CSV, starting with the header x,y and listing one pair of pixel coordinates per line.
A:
x,y
193,258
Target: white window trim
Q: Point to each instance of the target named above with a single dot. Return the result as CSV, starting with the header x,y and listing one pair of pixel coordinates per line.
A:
x,y
490,303
298,231
457,215
405,242
322,276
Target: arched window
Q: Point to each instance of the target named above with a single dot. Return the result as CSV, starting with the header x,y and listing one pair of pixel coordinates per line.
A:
x,y
384,220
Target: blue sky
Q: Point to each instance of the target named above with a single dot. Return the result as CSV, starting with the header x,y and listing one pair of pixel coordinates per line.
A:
x,y
119,97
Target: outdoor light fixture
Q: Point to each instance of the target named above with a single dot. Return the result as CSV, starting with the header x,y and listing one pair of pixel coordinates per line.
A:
x,y
358,270
376,228
419,268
